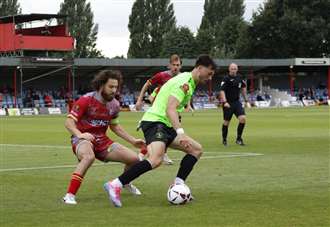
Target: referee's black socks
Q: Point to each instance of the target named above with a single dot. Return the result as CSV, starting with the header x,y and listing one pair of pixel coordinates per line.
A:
x,y
186,165
224,132
240,128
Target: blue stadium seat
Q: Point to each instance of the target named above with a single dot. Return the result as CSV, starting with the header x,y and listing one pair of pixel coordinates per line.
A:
x,y
63,104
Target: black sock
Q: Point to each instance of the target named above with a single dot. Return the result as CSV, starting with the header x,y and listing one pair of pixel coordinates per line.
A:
x,y
135,171
224,132
186,165
240,128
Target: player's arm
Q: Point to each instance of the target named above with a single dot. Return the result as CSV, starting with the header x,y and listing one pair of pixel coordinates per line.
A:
x,y
189,107
77,111
121,132
145,87
153,95
70,125
171,111
244,94
223,99
222,94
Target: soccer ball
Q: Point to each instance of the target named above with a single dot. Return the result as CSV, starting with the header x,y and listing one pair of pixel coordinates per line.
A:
x,y
178,194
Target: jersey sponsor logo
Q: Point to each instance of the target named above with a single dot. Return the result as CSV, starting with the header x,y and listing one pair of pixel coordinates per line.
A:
x,y
185,88
97,122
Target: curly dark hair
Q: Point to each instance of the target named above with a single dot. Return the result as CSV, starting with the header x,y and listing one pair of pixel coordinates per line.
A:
x,y
102,78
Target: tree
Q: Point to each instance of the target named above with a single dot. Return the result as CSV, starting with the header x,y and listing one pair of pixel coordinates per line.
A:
x,y
205,41
227,36
148,23
179,41
223,21
81,27
138,27
161,20
290,28
9,7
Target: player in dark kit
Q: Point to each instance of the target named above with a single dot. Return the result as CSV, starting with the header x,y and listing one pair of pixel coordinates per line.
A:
x,y
231,87
88,121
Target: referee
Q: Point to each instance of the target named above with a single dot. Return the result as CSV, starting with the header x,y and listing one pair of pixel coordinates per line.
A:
x,y
230,89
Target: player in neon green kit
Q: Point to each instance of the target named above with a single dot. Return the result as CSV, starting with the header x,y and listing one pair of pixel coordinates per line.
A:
x,y
162,128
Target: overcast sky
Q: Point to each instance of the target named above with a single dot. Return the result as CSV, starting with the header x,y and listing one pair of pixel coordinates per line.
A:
x,y
112,17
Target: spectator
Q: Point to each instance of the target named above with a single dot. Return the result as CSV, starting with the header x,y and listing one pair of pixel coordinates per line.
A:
x,y
1,99
27,101
48,100
260,98
301,94
267,97
35,96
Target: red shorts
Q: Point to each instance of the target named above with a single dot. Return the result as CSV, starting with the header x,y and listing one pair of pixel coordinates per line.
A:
x,y
100,146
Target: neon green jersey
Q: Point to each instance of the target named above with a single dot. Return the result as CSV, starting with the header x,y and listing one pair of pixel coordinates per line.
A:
x,y
181,87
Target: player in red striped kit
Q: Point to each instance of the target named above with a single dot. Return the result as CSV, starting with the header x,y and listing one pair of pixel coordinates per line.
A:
x,y
159,79
88,121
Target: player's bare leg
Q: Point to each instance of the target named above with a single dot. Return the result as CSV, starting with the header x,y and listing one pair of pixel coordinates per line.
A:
x,y
143,154
86,157
156,152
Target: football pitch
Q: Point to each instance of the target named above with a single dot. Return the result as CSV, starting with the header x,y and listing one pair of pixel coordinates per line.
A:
x,y
281,178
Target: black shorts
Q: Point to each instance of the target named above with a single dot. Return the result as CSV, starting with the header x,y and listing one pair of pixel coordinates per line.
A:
x,y
235,108
157,131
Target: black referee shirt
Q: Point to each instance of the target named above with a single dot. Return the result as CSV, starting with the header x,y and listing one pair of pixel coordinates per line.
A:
x,y
232,85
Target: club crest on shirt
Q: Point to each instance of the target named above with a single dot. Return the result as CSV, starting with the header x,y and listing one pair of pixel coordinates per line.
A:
x,y
76,108
185,88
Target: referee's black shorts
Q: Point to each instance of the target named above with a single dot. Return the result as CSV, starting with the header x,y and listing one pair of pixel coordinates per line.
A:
x,y
235,108
157,131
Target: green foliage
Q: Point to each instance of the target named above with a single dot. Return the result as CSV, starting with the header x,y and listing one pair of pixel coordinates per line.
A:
x,y
149,21
161,20
81,27
205,41
9,7
289,28
179,41
223,22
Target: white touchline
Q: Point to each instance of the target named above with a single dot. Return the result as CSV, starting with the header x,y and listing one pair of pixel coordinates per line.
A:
x,y
33,146
102,164
69,147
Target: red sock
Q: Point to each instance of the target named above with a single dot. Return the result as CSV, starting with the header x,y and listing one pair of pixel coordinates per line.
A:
x,y
143,150
75,182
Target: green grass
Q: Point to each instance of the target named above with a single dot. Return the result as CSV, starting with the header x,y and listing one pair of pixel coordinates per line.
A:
x,y
287,186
